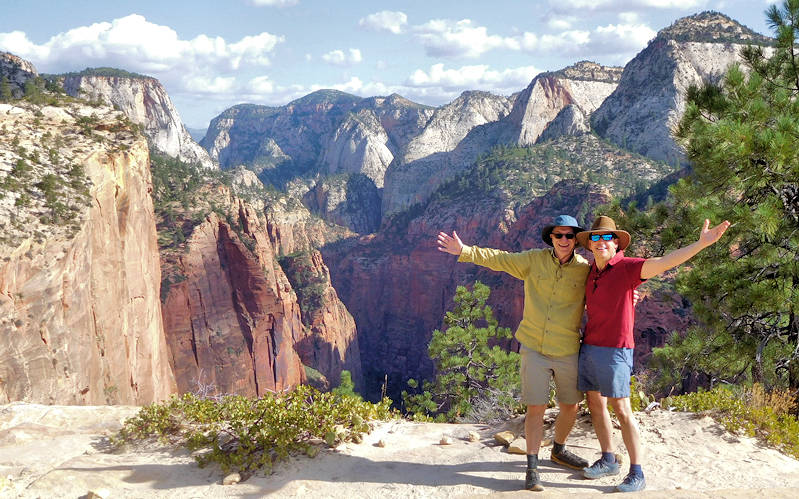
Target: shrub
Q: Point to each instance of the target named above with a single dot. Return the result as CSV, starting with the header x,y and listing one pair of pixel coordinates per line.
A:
x,y
245,434
754,411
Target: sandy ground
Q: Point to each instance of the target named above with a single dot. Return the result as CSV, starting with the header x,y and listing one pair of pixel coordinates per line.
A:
x,y
57,451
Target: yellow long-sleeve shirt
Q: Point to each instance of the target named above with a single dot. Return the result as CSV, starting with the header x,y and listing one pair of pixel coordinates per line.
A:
x,y
554,295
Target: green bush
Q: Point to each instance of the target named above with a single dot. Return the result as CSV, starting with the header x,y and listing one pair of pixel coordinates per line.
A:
x,y
754,411
243,434
346,387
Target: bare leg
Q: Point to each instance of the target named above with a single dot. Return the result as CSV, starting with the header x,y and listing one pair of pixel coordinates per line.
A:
x,y
600,418
629,427
534,427
564,422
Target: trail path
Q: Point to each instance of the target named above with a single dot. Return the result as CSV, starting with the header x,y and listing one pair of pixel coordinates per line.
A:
x,y
57,451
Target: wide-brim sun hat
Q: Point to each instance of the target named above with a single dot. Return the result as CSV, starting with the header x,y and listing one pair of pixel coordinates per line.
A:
x,y
560,221
604,224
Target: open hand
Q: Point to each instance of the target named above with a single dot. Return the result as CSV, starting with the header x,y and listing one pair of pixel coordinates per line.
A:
x,y
710,236
450,244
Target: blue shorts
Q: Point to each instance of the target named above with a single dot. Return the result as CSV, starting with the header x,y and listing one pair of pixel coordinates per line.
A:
x,y
606,370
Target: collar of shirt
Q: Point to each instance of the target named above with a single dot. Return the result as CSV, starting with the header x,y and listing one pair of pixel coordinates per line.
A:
x,y
613,261
557,260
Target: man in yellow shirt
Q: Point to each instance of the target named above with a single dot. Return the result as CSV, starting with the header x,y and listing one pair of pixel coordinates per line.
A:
x,y
554,300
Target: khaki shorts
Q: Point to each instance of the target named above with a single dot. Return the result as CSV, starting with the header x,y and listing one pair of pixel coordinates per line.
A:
x,y
536,370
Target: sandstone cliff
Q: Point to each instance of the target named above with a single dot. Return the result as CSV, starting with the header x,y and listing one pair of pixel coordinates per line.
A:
x,y
650,98
232,318
452,122
584,85
145,102
16,71
79,274
329,342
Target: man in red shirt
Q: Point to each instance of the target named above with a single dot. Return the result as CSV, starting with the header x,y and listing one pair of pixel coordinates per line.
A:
x,y
605,363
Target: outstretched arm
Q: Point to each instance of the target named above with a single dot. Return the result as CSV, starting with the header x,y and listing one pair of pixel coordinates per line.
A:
x,y
450,244
656,266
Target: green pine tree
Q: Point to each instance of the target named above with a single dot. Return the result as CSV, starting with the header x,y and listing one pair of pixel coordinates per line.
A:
x,y
741,136
346,386
469,364
5,89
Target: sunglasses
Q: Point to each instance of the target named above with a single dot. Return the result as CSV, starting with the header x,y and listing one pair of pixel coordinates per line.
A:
x,y
567,236
604,237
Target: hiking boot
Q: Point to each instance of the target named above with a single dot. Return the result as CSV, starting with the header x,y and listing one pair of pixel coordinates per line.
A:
x,y
532,481
601,468
632,483
569,459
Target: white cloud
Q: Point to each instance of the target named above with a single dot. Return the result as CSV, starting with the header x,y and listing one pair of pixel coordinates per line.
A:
x,y
629,17
615,38
618,40
203,64
472,77
561,22
17,43
205,84
385,20
253,49
447,38
274,3
568,42
260,85
671,4
341,58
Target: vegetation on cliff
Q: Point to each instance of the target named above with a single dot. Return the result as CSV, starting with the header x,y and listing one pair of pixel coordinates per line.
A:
x,y
712,27
183,194
516,174
46,189
309,284
102,71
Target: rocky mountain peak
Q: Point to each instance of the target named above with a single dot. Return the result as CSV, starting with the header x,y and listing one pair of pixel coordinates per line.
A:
x,y
109,73
326,98
17,71
145,102
712,27
396,99
650,97
588,70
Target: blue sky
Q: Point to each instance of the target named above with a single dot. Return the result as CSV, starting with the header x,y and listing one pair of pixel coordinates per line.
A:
x,y
211,55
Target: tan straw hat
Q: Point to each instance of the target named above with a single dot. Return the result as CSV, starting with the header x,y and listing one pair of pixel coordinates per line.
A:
x,y
604,224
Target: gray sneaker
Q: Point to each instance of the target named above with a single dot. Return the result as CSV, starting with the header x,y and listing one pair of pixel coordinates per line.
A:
x,y
532,481
632,483
601,468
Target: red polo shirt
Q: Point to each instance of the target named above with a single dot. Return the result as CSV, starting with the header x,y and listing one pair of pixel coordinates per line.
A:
x,y
609,302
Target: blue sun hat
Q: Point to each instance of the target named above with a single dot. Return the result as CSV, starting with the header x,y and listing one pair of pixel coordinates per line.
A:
x,y
560,221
